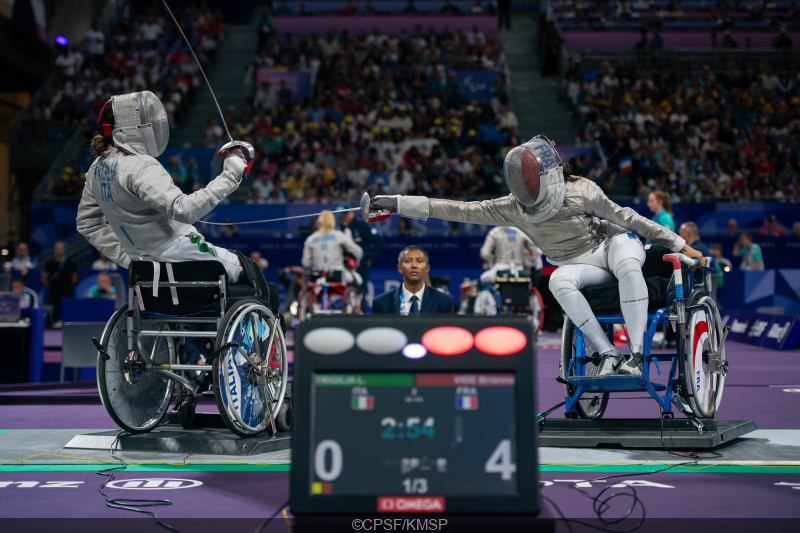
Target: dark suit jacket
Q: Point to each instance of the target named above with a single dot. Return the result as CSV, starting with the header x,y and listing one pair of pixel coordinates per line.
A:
x,y
433,302
368,238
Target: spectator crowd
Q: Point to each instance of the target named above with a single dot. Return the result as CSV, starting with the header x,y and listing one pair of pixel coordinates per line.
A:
x,y
137,51
386,113
703,136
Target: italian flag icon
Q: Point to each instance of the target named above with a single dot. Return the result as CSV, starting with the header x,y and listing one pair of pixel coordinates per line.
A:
x,y
363,403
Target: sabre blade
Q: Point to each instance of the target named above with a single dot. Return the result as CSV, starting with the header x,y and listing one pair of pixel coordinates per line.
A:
x,y
199,66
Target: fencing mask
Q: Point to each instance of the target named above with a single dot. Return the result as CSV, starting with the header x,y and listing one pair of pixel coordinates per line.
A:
x,y
140,122
535,177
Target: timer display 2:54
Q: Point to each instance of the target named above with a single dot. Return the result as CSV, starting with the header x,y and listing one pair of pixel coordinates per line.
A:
x,y
411,428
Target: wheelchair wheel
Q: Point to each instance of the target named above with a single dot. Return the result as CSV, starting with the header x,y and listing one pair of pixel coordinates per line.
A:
x,y
487,302
135,395
284,419
305,304
242,390
536,310
592,404
706,386
351,301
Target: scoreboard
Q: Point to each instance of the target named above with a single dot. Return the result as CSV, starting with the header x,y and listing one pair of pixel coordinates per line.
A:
x,y
420,415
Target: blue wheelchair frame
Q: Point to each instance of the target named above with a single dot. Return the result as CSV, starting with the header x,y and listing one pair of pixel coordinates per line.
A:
x,y
677,312
626,383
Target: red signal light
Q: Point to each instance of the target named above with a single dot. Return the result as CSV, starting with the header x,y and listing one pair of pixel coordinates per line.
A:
x,y
447,340
500,340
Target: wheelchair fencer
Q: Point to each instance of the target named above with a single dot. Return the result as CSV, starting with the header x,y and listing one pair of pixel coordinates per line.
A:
x,y
324,288
138,367
512,292
695,377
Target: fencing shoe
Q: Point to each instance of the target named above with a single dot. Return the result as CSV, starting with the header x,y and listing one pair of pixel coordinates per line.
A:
x,y
633,365
609,363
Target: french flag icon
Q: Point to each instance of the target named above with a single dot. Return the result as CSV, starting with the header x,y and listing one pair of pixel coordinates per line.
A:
x,y
466,403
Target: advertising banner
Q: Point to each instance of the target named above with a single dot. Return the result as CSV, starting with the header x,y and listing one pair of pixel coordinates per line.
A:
x,y
777,332
477,83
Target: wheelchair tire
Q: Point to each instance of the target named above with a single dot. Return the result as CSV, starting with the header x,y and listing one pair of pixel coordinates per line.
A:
x,y
187,410
487,302
351,302
136,398
305,304
284,419
536,310
699,379
592,405
241,390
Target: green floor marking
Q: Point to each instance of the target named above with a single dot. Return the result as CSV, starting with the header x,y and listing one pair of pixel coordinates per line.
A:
x,y
717,469
146,468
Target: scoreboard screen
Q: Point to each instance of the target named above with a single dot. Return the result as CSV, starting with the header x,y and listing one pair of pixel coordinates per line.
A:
x,y
448,433
397,426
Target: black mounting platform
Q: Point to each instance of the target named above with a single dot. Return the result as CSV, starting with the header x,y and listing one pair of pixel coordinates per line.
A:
x,y
640,433
208,440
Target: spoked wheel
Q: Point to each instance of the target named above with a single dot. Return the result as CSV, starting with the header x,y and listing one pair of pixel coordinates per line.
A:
x,y
351,301
305,304
536,309
244,386
705,384
487,302
592,404
134,394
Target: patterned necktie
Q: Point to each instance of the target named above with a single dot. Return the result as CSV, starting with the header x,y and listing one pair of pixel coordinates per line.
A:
x,y
414,306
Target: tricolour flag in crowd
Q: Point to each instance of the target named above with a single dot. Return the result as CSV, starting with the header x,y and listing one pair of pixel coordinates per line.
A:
x,y
625,164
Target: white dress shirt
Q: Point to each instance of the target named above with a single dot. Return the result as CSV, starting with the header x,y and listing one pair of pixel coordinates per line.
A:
x,y
405,301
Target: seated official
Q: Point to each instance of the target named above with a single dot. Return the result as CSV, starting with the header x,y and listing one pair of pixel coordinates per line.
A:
x,y
413,297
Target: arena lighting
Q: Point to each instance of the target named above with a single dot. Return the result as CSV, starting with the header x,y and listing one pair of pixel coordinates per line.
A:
x,y
415,351
62,40
500,340
4,252
447,340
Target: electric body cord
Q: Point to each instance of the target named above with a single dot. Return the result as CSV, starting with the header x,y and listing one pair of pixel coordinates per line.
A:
x,y
600,504
128,504
279,510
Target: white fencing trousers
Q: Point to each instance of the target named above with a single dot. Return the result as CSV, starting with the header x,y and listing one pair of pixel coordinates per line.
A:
x,y
193,247
620,258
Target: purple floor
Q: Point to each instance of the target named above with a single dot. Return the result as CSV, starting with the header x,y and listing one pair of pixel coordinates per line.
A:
x,y
754,390
240,500
256,494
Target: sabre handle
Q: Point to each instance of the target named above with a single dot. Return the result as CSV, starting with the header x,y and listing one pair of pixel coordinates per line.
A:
x,y
378,208
247,151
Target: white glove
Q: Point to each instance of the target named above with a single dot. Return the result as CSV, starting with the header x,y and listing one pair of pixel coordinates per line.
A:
x,y
234,164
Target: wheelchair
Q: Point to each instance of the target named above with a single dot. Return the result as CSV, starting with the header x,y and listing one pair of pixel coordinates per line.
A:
x,y
695,378
138,367
327,293
513,292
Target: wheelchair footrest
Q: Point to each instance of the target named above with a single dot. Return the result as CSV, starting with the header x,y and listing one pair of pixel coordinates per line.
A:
x,y
624,383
